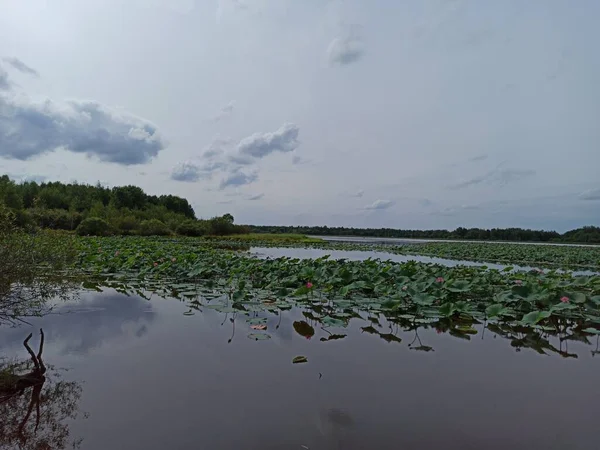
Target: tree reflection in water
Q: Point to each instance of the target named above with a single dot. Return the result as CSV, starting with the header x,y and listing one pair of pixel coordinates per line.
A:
x,y
35,405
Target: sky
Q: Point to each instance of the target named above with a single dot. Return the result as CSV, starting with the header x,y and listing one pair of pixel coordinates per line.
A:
x,y
384,113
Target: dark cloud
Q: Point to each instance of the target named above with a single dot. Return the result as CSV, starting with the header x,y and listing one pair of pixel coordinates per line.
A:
x,y
380,204
498,176
347,48
21,66
5,84
29,129
592,194
259,145
238,178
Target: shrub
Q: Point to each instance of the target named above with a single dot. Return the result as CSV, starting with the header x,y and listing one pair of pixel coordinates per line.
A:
x,y
56,219
153,227
192,228
127,224
94,226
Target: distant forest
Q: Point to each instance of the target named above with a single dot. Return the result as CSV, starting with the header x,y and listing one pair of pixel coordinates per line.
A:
x,y
580,235
129,210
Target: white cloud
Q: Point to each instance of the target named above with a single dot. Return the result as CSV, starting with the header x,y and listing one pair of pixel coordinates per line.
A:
x,y
346,48
380,204
259,145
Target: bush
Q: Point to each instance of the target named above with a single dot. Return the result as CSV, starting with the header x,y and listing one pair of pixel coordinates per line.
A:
x,y
127,224
153,227
192,228
24,220
56,219
94,226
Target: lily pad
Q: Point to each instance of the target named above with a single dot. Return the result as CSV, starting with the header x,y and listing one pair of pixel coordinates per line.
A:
x,y
259,336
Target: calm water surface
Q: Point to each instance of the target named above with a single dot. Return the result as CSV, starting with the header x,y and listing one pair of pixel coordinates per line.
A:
x,y
153,378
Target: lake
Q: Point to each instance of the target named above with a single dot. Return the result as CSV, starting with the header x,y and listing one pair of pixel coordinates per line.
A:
x,y
151,378
360,255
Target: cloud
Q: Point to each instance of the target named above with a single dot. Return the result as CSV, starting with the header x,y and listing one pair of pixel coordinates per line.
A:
x,y
498,176
191,172
224,112
217,147
347,48
358,194
592,194
255,197
380,204
238,178
298,160
5,84
21,66
478,158
186,171
259,145
29,129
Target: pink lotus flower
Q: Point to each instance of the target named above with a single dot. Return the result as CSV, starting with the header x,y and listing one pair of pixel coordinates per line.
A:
x,y
99,250
404,288
155,264
117,253
518,282
564,299
439,280
174,259
309,285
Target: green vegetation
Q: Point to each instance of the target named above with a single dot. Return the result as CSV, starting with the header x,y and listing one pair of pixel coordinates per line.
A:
x,y
552,256
590,235
451,297
100,211
32,268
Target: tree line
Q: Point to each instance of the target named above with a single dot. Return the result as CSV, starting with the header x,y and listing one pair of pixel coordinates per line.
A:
x,y
98,209
589,234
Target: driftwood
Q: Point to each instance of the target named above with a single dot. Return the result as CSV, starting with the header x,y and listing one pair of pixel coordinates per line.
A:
x,y
16,385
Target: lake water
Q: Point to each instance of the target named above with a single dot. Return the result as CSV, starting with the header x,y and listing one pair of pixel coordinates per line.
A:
x,y
152,378
359,255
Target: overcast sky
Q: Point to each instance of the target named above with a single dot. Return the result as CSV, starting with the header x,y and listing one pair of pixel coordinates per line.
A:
x,y
406,114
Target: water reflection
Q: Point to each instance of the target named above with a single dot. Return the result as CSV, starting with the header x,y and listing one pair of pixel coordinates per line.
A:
x,y
371,381
34,407
95,320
